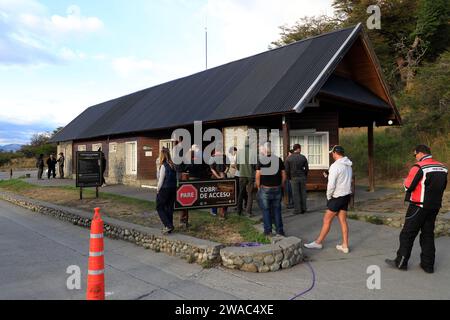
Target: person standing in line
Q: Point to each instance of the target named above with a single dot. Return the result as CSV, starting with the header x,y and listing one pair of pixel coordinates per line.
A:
x,y
103,162
297,172
219,168
232,169
60,161
195,171
40,165
51,164
424,186
166,190
288,188
270,181
246,180
181,169
339,191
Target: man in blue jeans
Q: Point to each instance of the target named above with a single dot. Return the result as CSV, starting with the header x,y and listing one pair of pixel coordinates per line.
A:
x,y
270,180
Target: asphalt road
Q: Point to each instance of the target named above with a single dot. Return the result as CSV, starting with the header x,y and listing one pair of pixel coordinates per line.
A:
x,y
36,250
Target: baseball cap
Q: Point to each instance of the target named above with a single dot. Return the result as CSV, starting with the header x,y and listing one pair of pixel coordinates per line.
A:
x,y
337,148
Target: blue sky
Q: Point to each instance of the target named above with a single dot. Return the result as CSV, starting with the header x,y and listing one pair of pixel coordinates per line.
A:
x,y
59,57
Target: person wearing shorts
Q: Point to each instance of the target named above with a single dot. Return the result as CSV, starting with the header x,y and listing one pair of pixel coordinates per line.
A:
x,y
339,192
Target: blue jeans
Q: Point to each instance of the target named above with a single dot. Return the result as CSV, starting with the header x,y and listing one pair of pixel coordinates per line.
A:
x,y
270,202
289,193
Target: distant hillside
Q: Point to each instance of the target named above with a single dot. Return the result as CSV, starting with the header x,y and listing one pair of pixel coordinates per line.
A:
x,y
10,147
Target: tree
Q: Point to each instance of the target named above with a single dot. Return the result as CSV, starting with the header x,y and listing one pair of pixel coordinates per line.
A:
x,y
433,26
428,115
430,37
39,139
39,144
306,27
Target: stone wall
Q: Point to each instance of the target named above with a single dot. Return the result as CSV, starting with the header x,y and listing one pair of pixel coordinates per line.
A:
x,y
284,253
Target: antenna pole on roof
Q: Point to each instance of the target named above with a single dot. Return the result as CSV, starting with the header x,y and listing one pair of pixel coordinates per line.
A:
x,y
206,42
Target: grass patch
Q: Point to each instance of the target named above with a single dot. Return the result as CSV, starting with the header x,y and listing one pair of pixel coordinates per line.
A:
x,y
353,216
233,230
16,185
146,204
374,220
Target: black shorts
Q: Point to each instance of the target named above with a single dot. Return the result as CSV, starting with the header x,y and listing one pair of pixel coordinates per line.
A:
x,y
338,204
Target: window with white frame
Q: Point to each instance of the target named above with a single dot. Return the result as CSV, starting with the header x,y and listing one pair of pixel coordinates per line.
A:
x,y
314,147
82,147
169,144
113,147
131,158
97,146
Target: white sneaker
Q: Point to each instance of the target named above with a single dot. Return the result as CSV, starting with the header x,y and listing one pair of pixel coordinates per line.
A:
x,y
342,249
313,245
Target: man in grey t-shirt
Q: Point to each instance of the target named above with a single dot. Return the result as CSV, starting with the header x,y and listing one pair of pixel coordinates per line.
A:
x,y
297,172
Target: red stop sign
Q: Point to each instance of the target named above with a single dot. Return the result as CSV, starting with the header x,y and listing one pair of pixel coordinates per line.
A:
x,y
187,195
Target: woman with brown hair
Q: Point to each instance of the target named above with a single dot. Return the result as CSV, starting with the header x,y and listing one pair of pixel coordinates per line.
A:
x,y
166,190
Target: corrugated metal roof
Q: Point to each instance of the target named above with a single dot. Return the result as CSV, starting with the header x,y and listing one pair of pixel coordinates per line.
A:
x,y
270,82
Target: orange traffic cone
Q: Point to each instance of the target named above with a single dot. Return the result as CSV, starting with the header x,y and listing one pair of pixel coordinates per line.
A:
x,y
96,266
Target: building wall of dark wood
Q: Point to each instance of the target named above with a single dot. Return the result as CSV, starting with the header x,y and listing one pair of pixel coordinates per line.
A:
x,y
321,119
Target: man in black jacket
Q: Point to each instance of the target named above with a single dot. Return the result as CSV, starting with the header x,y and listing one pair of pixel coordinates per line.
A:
x,y
51,164
297,172
424,188
40,165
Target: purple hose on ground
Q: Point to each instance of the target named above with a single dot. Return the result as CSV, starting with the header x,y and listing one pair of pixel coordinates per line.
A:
x,y
312,285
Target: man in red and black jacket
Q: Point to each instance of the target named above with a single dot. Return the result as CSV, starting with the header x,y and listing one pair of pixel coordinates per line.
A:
x,y
424,187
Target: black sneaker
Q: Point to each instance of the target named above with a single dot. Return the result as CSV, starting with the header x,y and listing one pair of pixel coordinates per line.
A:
x,y
394,264
427,269
281,234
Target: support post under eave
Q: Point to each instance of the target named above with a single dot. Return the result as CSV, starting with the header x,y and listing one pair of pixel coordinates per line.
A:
x,y
371,162
286,136
286,147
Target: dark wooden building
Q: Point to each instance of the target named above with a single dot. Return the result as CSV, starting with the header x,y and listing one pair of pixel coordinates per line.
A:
x,y
308,90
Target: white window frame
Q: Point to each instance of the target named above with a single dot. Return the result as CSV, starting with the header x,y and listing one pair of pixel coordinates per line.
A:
x,y
95,146
131,164
166,143
325,146
81,147
112,147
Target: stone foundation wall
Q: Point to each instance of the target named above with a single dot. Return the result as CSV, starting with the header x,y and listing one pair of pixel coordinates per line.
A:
x,y
284,253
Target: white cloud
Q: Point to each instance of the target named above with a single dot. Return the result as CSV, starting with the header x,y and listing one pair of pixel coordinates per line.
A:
x,y
131,65
31,36
69,55
74,22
